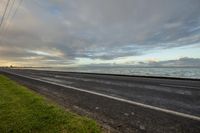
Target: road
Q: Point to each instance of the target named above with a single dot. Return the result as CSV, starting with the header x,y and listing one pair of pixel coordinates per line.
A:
x,y
167,95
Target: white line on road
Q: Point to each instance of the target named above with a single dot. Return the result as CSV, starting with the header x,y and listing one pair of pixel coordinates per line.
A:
x,y
180,86
114,98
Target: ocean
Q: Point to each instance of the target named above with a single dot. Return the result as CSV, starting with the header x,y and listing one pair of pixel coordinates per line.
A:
x,y
161,72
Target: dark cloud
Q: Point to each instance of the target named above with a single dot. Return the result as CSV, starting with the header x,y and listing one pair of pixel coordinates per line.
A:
x,y
99,29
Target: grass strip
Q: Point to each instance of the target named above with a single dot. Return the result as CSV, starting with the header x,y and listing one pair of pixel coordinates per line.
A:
x,y
24,111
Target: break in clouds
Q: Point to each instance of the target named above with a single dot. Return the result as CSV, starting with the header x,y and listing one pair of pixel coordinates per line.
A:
x,y
60,32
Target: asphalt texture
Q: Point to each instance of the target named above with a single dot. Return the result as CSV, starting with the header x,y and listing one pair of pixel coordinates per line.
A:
x,y
180,95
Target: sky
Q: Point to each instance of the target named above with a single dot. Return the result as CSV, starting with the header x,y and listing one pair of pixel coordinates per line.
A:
x,y
99,32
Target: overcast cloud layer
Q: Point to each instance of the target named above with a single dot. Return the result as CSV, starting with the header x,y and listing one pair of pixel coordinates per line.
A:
x,y
61,32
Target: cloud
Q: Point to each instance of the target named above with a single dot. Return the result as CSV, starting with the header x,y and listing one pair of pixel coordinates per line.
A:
x,y
98,29
182,62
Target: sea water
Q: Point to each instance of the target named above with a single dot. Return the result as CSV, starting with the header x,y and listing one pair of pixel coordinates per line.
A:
x,y
160,72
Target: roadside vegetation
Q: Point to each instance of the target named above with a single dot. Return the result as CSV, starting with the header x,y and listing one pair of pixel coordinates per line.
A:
x,y
23,111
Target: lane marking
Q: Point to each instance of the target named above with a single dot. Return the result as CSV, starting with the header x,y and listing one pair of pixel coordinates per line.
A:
x,y
180,86
114,98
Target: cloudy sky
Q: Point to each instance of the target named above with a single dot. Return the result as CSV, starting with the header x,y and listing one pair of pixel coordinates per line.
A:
x,y
82,32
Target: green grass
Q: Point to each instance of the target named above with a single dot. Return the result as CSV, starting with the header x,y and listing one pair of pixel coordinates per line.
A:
x,y
24,111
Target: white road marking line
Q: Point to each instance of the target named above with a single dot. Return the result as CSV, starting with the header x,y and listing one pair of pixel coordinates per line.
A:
x,y
181,86
115,98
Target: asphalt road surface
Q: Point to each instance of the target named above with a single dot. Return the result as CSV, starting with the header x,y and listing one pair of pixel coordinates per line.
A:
x,y
169,96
